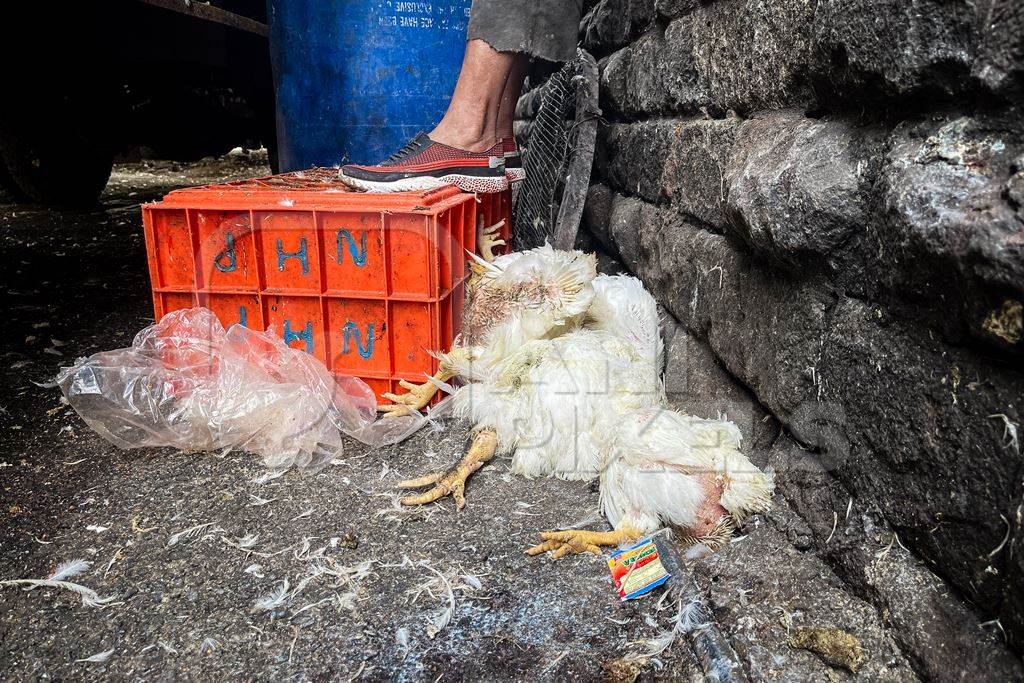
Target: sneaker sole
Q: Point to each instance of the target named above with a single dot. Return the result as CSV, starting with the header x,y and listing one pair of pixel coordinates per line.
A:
x,y
466,183
515,175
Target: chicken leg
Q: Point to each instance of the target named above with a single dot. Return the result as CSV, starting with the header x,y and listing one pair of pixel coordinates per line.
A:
x,y
581,541
488,237
419,395
454,480
417,398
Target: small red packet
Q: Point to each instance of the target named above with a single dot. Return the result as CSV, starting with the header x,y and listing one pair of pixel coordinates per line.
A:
x,y
637,570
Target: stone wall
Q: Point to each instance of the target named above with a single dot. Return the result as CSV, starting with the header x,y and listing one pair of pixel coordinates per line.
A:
x,y
828,197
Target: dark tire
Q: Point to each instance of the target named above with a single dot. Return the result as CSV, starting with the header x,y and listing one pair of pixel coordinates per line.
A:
x,y
49,166
8,188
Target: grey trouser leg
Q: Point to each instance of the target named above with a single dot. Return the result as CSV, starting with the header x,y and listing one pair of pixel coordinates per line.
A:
x,y
539,28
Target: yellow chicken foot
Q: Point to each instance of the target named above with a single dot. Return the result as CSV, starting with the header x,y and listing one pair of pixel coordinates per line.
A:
x,y
581,541
418,397
487,238
454,480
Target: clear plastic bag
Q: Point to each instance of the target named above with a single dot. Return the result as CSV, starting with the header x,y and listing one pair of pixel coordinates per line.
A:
x,y
188,383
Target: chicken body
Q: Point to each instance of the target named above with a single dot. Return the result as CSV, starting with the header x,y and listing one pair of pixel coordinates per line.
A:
x,y
562,370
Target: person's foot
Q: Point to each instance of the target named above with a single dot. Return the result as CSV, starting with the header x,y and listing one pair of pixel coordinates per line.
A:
x,y
423,164
514,170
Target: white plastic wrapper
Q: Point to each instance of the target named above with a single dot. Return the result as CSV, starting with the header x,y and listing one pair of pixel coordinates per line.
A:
x,y
188,383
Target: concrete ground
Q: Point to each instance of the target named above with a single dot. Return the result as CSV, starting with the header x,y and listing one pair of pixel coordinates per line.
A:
x,y
187,545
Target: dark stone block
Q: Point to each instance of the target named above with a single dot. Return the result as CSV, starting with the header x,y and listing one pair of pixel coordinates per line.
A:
x,y
697,384
799,189
753,54
610,24
1000,60
655,74
672,9
694,177
952,224
679,161
596,213
613,218
632,156
867,48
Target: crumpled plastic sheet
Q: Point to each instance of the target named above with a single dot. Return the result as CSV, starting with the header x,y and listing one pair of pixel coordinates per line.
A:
x,y
188,383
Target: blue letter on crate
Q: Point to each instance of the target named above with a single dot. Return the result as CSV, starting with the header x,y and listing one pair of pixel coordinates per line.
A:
x,y
306,335
243,316
358,256
301,254
226,261
352,330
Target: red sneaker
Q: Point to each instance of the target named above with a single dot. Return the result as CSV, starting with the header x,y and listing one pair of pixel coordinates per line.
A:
x,y
423,164
514,170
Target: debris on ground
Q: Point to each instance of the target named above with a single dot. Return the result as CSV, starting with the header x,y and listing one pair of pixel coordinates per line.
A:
x,y
637,570
188,383
833,645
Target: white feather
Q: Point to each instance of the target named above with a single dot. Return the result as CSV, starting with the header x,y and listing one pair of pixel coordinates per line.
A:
x,y
188,533
90,598
66,570
97,658
247,541
274,599
622,306
402,638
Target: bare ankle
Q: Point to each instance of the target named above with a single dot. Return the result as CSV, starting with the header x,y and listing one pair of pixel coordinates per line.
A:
x,y
471,141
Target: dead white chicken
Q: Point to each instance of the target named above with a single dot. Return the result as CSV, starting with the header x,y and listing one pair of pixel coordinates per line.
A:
x,y
562,369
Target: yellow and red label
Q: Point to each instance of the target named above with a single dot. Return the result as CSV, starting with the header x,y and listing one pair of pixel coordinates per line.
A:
x,y
637,570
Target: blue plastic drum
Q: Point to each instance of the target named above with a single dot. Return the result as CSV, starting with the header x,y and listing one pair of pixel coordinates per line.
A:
x,y
355,79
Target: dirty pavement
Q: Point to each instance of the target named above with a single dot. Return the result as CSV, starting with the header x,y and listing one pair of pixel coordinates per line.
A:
x,y
214,570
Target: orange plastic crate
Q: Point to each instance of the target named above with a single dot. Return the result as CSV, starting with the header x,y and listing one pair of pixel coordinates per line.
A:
x,y
368,283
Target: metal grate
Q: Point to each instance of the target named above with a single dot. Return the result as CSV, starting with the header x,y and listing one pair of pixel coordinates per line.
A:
x,y
558,150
